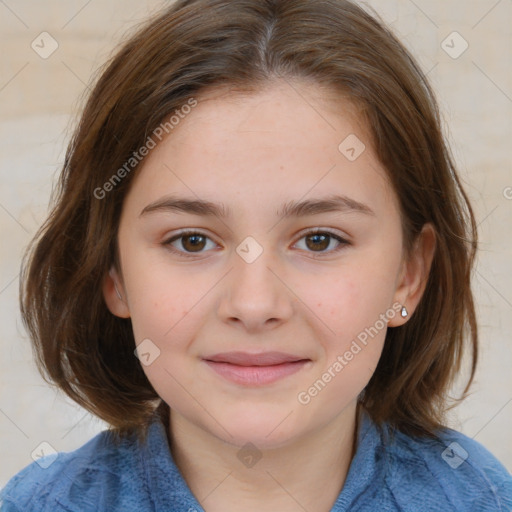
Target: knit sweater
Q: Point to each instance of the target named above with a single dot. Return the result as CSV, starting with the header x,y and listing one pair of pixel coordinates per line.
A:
x,y
398,473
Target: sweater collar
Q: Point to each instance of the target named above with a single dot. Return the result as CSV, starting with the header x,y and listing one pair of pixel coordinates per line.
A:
x,y
368,467
168,489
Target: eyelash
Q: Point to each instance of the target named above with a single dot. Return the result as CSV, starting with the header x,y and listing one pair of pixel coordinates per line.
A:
x,y
317,231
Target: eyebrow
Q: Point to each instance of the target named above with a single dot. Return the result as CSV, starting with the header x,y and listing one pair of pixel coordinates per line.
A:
x,y
334,203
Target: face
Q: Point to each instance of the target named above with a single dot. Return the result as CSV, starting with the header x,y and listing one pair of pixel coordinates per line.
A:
x,y
259,275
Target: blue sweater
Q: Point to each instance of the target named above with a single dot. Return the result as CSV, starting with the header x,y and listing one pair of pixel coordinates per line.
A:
x,y
407,474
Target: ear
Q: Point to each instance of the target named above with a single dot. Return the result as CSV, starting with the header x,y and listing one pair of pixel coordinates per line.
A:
x,y
115,295
414,274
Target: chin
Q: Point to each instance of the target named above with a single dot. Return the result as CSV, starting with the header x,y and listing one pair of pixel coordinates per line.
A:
x,y
263,429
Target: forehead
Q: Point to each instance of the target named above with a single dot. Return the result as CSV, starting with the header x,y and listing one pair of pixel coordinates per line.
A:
x,y
279,142
287,108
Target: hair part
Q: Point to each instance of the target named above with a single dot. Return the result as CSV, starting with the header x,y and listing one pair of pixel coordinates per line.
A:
x,y
181,52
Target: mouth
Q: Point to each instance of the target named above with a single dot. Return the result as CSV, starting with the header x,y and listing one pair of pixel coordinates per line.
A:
x,y
255,369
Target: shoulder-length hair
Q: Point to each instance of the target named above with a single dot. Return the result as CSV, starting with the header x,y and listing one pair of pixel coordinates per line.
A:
x,y
180,52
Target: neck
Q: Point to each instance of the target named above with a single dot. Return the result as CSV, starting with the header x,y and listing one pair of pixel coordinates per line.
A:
x,y
306,473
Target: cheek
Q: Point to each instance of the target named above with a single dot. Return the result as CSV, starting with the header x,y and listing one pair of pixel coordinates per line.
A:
x,y
355,307
160,313
159,299
352,301
356,312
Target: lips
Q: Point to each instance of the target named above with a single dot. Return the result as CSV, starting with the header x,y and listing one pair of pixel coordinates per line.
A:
x,y
262,369
262,359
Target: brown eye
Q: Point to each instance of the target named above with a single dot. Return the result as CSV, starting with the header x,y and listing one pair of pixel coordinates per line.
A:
x,y
319,241
193,243
188,243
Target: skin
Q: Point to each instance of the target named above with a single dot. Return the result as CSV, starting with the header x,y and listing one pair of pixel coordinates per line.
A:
x,y
254,153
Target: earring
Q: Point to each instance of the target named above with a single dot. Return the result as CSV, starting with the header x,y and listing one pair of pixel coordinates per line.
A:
x,y
119,295
404,312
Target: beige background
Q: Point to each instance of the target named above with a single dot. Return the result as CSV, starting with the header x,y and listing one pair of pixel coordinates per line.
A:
x,y
39,97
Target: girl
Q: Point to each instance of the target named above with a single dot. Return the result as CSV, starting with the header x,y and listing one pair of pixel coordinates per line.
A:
x,y
257,271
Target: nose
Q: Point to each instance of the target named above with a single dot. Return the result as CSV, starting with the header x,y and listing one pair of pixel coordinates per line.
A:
x,y
255,295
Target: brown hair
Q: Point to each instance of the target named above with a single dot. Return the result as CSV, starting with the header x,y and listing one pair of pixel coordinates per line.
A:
x,y
181,51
